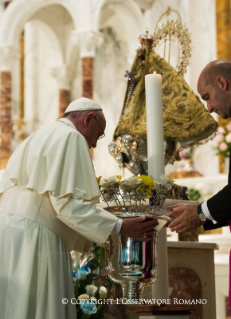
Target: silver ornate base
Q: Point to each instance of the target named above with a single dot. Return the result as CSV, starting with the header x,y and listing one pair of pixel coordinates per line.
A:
x,y
132,264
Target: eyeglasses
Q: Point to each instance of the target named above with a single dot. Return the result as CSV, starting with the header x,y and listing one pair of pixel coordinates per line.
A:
x,y
103,135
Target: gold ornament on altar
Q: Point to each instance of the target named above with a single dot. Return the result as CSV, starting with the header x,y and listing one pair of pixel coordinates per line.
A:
x,y
186,122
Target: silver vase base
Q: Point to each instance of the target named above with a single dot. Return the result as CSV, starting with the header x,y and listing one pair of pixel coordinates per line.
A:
x,y
132,286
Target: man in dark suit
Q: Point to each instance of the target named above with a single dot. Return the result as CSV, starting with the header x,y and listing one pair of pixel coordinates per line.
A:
x,y
214,86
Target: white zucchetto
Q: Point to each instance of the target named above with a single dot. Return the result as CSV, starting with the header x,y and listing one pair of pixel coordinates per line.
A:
x,y
83,104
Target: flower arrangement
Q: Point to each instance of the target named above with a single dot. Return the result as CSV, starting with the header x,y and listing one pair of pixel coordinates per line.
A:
x,y
195,195
223,138
89,288
130,194
186,154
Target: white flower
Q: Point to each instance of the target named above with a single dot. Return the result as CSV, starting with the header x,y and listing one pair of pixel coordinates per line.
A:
x,y
91,290
109,182
128,184
93,300
103,292
111,179
166,181
107,185
75,259
125,187
134,181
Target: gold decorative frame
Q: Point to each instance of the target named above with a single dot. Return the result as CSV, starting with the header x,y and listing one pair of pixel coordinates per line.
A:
x,y
174,31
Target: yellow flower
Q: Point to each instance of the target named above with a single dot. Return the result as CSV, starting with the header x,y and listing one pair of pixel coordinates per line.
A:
x,y
98,179
147,181
148,184
148,193
119,177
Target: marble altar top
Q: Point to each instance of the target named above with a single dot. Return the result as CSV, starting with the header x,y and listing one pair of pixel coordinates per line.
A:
x,y
191,245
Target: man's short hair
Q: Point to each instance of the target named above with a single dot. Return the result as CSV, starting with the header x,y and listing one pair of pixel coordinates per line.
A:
x,y
67,114
222,68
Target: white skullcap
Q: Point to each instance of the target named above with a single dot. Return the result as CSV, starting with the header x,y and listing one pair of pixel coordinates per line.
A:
x,y
83,104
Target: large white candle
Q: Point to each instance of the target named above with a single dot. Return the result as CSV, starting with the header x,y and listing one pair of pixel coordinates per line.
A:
x,y
155,136
155,142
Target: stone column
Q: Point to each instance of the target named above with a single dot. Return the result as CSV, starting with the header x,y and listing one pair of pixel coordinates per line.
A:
x,y
7,54
64,77
5,118
64,100
223,19
87,42
5,112
87,77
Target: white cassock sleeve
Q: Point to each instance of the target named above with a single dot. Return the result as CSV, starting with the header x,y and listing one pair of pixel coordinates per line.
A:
x,y
92,222
56,159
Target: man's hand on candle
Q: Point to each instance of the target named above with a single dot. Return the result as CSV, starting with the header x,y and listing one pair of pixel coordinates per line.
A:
x,y
185,217
140,228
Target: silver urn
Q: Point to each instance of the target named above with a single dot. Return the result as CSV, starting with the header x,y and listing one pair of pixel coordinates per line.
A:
x,y
133,264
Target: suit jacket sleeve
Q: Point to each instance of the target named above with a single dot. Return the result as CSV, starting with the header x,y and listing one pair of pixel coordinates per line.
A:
x,y
220,205
210,225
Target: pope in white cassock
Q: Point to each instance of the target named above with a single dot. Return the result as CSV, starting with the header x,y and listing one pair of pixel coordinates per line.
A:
x,y
48,208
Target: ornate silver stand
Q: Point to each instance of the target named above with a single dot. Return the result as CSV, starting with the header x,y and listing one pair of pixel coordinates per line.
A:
x,y
133,264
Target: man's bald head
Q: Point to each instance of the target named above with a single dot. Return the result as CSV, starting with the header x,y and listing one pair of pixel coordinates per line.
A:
x,y
214,86
212,70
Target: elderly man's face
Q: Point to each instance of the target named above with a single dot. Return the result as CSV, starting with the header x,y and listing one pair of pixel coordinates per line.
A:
x,y
95,129
217,99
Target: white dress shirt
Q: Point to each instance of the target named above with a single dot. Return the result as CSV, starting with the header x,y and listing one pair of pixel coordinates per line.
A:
x,y
205,210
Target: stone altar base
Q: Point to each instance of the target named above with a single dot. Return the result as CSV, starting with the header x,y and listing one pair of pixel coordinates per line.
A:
x,y
158,312
191,277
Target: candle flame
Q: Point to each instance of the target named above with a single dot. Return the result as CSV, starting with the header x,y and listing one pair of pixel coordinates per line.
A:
x,y
154,72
